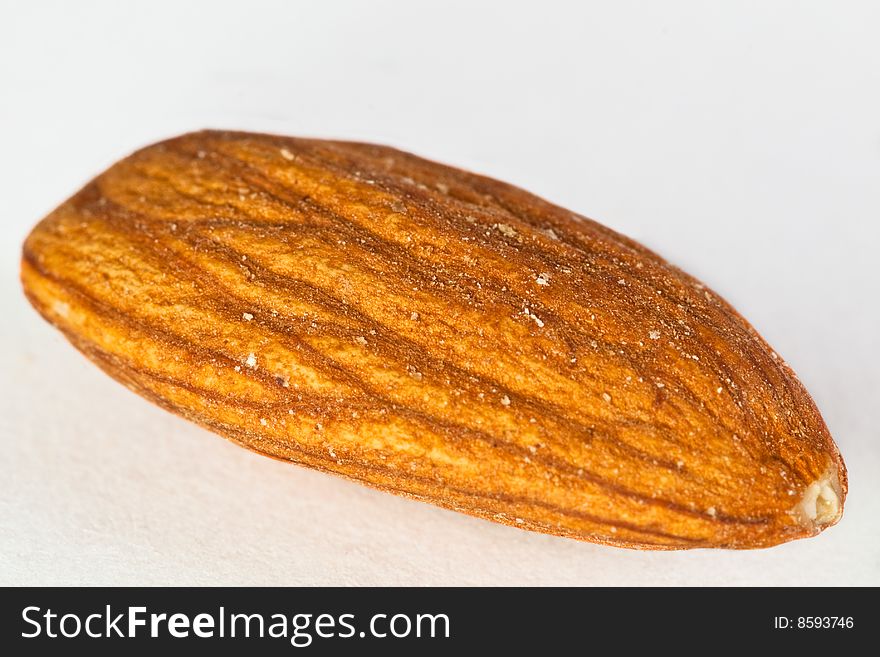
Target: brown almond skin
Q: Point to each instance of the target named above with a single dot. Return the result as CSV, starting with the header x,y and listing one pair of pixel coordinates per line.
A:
x,y
435,334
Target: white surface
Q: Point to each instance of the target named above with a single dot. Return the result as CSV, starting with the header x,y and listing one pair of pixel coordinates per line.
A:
x,y
742,142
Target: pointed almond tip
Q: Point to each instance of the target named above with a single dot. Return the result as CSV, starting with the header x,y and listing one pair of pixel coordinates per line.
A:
x,y
821,504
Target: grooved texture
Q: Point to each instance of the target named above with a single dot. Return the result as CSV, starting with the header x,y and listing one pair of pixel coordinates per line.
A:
x,y
436,334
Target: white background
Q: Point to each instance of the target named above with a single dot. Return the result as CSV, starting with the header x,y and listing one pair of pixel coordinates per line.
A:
x,y
741,140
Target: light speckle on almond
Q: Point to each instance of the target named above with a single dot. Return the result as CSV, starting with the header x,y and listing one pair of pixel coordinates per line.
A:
x,y
537,320
506,230
61,308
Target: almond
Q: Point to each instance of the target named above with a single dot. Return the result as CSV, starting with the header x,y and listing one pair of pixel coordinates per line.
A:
x,y
435,334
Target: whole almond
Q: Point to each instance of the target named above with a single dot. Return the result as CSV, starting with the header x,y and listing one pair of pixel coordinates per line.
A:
x,y
435,334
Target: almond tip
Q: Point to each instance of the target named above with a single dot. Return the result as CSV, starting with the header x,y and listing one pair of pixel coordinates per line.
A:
x,y
821,504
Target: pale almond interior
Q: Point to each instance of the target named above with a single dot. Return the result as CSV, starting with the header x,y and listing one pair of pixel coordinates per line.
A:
x,y
820,503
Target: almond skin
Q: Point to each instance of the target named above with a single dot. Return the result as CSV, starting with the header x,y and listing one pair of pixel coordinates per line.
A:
x,y
435,334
